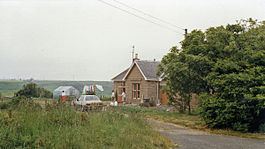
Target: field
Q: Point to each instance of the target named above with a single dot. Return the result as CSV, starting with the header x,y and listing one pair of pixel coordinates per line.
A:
x,y
28,125
9,87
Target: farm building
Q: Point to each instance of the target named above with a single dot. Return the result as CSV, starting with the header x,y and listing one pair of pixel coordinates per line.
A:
x,y
68,91
140,82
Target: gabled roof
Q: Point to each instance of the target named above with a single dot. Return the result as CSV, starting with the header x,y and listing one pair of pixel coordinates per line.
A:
x,y
148,70
64,88
120,76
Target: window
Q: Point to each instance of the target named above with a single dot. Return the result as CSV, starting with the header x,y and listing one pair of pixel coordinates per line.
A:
x,y
136,91
81,98
91,98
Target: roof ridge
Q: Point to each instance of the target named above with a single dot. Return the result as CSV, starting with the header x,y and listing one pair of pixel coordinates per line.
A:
x,y
147,61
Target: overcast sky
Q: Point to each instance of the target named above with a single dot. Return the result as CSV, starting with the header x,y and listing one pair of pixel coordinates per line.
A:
x,y
89,40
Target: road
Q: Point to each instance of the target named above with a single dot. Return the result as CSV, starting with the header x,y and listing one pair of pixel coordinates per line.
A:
x,y
194,139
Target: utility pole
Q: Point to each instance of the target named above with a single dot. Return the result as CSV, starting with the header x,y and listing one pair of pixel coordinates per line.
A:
x,y
133,52
186,32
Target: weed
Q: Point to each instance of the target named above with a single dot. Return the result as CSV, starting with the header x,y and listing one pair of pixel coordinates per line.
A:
x,y
60,126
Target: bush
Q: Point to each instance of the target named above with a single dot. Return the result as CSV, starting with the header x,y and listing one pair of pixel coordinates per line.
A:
x,y
262,128
32,90
240,115
15,102
105,98
3,105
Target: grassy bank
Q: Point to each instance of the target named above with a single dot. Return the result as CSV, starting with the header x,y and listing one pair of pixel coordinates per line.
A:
x,y
191,121
58,126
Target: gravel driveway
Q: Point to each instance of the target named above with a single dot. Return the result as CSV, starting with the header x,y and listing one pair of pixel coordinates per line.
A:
x,y
194,139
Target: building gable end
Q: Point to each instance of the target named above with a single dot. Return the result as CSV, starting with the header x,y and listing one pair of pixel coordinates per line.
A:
x,y
131,68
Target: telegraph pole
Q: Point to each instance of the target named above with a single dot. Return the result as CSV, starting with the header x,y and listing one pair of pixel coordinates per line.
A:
x,y
186,32
133,52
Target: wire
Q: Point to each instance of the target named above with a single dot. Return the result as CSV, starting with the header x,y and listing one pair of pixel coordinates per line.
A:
x,y
140,17
149,15
163,26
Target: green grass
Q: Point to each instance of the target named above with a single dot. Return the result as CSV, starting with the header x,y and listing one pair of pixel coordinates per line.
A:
x,y
59,126
8,93
9,87
192,120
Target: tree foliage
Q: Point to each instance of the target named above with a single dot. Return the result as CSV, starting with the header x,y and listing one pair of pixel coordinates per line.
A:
x,y
32,90
227,65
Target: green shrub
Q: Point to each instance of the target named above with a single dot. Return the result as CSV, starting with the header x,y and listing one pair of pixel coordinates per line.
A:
x,y
105,98
32,90
3,105
10,103
262,128
241,115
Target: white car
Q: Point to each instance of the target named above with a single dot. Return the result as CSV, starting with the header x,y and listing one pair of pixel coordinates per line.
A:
x,y
84,101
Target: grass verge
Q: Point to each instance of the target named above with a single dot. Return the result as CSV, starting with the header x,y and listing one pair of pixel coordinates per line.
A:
x,y
28,125
191,121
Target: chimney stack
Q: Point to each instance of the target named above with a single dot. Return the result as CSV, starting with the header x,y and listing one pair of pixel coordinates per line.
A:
x,y
136,57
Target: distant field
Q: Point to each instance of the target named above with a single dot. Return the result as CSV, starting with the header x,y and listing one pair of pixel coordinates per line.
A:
x,y
9,87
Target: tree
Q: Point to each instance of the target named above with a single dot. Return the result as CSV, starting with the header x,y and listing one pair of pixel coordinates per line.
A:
x,y
32,90
181,80
226,66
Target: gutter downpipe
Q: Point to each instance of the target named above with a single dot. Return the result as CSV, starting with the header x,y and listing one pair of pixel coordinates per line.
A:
x,y
157,95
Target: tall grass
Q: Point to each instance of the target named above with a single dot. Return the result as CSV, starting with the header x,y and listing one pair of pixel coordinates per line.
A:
x,y
60,126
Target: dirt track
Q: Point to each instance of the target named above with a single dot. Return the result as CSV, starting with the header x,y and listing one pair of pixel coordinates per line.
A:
x,y
193,139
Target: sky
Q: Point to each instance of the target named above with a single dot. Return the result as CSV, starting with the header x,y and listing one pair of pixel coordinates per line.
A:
x,y
90,40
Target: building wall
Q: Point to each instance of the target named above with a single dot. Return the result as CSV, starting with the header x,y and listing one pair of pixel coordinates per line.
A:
x,y
163,97
148,89
117,87
153,90
163,94
134,76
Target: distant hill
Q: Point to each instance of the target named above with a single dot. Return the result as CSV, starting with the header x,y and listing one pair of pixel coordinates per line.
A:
x,y
9,87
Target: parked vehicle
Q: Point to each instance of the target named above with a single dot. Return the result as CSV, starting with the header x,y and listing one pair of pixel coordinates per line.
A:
x,y
88,102
91,89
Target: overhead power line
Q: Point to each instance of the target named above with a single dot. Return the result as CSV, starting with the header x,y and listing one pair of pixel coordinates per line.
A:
x,y
140,17
149,15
